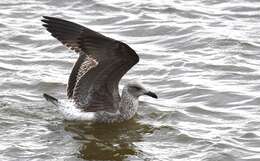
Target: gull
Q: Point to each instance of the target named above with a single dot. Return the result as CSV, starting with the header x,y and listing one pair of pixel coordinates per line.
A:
x,y
93,83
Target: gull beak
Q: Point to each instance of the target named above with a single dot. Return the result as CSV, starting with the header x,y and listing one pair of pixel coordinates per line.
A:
x,y
151,94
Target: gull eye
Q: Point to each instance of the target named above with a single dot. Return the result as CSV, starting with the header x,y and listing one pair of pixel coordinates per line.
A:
x,y
137,88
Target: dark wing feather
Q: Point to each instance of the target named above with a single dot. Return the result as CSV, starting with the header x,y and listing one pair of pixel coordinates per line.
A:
x,y
93,83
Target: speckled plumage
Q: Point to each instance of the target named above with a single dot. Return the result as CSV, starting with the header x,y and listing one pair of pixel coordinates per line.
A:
x,y
127,109
93,82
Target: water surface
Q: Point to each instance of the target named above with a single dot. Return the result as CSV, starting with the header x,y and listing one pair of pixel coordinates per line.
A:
x,y
201,57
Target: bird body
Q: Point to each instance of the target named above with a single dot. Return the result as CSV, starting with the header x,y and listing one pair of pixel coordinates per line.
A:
x,y
93,82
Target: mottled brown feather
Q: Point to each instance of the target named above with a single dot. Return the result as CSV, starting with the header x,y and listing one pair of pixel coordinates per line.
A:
x,y
93,82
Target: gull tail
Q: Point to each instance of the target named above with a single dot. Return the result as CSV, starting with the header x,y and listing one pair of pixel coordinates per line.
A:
x,y
51,99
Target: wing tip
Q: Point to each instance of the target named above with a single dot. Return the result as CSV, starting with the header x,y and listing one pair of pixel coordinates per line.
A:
x,y
48,18
45,20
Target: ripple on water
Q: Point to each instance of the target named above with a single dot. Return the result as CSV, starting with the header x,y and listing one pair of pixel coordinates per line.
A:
x,y
201,57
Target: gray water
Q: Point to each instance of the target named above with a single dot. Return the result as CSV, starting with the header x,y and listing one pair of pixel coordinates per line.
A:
x,y
201,57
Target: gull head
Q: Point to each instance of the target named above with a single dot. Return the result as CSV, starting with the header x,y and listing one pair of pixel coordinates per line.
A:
x,y
137,89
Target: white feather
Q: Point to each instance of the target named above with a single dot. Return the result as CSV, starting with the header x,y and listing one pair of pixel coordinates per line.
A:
x,y
71,112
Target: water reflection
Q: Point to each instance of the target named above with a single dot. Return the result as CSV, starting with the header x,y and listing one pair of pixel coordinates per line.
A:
x,y
108,142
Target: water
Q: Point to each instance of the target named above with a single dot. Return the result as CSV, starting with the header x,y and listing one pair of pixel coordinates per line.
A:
x,y
201,57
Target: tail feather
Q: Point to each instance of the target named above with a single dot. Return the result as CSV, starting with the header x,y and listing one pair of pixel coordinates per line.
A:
x,y
69,110
51,99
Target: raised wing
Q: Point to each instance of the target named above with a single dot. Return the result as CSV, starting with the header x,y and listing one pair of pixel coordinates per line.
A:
x,y
93,82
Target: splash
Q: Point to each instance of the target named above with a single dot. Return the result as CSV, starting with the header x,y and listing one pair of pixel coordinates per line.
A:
x,y
71,112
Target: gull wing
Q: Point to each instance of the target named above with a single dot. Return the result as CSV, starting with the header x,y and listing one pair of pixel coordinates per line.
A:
x,y
93,82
